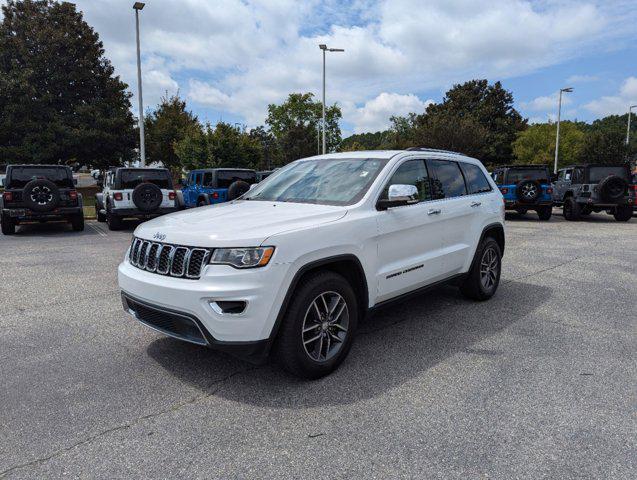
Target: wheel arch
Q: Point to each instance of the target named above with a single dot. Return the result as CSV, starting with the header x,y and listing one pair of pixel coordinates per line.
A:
x,y
495,230
347,265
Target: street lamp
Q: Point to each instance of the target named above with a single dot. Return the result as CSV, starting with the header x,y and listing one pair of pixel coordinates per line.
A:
x,y
559,112
630,109
137,6
325,49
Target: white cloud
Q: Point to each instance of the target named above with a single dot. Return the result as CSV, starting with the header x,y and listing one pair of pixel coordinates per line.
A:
x,y
617,104
582,79
545,103
374,114
239,55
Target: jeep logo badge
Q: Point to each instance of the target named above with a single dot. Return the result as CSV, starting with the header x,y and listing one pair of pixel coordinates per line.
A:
x,y
159,236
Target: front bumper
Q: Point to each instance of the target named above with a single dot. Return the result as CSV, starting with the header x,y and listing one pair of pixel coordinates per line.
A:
x,y
262,289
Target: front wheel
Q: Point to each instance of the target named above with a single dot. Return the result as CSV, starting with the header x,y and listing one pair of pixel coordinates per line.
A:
x,y
113,221
318,327
623,213
484,277
77,222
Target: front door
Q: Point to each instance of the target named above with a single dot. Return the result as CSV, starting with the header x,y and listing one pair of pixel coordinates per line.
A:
x,y
409,242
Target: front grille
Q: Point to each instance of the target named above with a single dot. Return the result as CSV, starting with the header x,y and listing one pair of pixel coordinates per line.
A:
x,y
165,259
170,323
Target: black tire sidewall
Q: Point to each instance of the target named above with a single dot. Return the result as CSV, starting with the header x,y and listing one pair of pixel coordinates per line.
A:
x,y
238,188
151,188
623,213
41,182
289,348
521,198
604,186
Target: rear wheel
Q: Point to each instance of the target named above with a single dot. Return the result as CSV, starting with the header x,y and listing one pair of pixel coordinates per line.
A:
x,y
77,222
100,216
572,209
201,202
114,222
8,225
544,213
623,213
484,277
318,327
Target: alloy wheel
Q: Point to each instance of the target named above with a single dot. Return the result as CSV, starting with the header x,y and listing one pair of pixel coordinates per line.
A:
x,y
325,326
489,268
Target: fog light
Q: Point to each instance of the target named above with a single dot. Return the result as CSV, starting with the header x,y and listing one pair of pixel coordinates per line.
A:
x,y
228,307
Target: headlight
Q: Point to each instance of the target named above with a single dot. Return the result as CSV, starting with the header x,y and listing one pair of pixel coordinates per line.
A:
x,y
242,257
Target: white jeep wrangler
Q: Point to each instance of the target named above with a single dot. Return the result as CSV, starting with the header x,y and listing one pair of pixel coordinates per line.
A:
x,y
297,262
135,193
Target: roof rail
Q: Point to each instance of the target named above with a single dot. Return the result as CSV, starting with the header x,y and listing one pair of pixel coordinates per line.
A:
x,y
438,150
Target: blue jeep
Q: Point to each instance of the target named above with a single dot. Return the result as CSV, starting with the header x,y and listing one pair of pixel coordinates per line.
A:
x,y
216,185
526,187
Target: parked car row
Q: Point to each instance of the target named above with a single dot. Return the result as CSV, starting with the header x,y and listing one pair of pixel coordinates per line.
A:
x,y
578,189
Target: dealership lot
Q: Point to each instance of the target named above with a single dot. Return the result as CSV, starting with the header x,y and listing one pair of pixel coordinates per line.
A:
x,y
537,382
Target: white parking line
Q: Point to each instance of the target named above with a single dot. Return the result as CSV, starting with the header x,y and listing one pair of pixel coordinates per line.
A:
x,y
98,230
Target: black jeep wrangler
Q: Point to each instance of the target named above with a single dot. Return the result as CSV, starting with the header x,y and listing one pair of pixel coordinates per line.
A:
x,y
40,193
583,189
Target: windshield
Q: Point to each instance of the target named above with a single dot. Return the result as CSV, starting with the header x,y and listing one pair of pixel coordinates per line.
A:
x,y
516,175
322,181
131,178
596,174
20,176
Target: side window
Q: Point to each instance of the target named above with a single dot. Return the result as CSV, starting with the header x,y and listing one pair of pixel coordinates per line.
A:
x,y
207,179
476,181
412,172
198,178
191,179
578,176
560,175
447,179
567,175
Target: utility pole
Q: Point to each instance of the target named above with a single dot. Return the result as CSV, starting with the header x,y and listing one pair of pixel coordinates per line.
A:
x,y
137,6
559,113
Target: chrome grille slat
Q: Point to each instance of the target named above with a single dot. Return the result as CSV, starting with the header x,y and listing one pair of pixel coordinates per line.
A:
x,y
165,259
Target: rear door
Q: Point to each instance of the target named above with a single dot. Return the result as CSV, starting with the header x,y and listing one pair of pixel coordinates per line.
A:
x,y
457,211
409,243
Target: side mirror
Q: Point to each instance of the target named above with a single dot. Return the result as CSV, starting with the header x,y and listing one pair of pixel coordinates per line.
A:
x,y
398,196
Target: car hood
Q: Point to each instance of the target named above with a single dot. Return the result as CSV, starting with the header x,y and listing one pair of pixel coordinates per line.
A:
x,y
241,223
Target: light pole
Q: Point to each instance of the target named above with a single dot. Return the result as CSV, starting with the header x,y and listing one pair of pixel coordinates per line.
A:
x,y
630,109
137,6
325,49
559,113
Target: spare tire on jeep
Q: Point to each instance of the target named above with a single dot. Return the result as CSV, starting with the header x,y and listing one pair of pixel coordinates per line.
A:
x,y
41,195
612,188
238,188
528,191
147,197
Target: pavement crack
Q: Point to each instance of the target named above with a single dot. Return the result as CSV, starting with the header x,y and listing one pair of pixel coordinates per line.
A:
x,y
172,408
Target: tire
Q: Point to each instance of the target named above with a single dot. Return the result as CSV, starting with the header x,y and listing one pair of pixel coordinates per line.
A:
x,y
544,213
114,222
572,210
147,197
612,188
201,202
623,213
484,277
8,225
236,189
528,191
77,222
99,216
294,349
585,210
41,195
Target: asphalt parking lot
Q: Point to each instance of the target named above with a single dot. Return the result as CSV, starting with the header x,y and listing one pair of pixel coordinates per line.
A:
x,y
539,382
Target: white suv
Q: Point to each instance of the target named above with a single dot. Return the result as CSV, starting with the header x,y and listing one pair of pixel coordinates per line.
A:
x,y
296,263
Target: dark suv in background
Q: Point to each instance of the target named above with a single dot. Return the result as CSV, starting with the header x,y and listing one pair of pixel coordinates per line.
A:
x,y
583,189
526,187
39,193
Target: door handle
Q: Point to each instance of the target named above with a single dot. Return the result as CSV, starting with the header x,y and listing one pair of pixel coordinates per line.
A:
x,y
476,204
433,211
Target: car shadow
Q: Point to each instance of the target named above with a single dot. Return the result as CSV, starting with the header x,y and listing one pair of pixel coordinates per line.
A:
x,y
392,347
50,229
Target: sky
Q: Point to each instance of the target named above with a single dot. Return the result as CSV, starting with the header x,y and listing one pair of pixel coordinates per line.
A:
x,y
230,58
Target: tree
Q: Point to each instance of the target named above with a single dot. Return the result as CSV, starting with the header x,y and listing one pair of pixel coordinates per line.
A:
x,y
450,132
295,124
165,127
270,153
490,107
604,145
60,101
363,141
536,144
